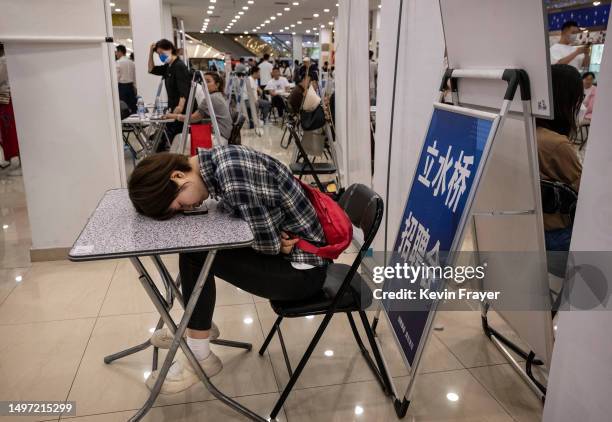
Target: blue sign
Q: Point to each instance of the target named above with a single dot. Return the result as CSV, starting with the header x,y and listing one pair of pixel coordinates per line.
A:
x,y
587,17
446,174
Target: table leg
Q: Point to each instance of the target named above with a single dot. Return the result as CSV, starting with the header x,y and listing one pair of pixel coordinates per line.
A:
x,y
178,340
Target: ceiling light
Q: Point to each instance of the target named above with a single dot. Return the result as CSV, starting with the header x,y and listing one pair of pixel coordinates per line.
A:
x,y
221,32
211,7
293,33
279,14
379,6
316,15
269,33
112,5
596,3
233,20
295,3
299,22
330,23
287,9
452,396
358,410
250,2
281,30
213,1
241,13
273,17
292,25
248,320
326,10
117,10
337,5
308,31
329,353
237,17
267,21
322,26
202,31
207,20
18,279
210,12
286,27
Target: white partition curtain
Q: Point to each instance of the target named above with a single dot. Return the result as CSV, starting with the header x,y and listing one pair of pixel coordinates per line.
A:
x,y
352,95
409,74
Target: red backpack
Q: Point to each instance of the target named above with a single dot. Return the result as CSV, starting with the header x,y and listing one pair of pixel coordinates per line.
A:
x,y
336,225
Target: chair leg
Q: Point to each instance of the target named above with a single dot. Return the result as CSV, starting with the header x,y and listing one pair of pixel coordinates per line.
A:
x,y
377,355
365,353
284,349
298,370
265,344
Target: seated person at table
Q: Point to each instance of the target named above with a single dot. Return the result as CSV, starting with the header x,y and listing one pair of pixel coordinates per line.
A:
x,y
557,158
262,191
215,85
276,87
260,103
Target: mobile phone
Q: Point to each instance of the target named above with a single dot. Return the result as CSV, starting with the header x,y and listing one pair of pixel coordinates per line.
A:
x,y
198,211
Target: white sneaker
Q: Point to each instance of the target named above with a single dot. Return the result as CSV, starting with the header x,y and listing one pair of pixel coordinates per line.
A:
x,y
162,338
186,377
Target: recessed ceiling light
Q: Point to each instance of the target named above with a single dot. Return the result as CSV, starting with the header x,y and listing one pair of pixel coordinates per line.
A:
x,y
213,1
273,17
211,7
287,9
299,22
246,32
281,30
316,15
292,25
279,14
250,2
286,27
269,33
337,5
267,21
330,23
308,31
326,10
112,5
295,3
221,32
379,6
241,13
201,32
234,20
452,396
210,12
207,20
293,33
117,10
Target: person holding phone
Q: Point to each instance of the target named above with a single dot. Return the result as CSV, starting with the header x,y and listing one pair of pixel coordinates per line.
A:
x,y
567,52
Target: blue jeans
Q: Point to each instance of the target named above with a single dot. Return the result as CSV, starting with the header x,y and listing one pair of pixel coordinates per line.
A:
x,y
557,242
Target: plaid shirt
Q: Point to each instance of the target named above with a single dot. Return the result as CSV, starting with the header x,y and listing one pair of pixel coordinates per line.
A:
x,y
262,191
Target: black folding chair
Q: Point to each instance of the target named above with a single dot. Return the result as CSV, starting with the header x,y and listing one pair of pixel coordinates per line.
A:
x,y
235,138
344,291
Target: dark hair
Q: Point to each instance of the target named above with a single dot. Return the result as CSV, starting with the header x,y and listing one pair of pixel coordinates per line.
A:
x,y
371,53
121,49
132,56
296,97
218,80
266,56
296,61
254,70
569,24
587,74
241,60
568,94
276,68
150,188
165,44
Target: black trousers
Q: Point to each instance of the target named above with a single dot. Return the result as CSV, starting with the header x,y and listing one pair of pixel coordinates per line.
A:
x,y
278,103
269,276
172,129
127,94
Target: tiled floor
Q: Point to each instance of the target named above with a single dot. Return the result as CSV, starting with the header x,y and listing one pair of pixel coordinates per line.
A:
x,y
59,319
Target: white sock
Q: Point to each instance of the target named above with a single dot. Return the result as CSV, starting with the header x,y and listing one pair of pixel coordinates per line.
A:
x,y
199,346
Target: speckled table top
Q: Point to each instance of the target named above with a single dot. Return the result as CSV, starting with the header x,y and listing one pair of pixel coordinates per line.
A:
x,y
116,230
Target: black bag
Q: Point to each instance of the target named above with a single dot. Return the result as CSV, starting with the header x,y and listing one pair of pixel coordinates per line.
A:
x,y
313,120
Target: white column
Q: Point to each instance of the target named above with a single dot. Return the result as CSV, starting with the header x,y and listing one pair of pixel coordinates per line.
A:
x,y
325,39
297,47
167,30
146,20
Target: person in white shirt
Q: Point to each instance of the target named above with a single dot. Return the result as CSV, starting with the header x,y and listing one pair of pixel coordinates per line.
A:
x,y
265,69
373,76
277,86
566,53
260,103
126,76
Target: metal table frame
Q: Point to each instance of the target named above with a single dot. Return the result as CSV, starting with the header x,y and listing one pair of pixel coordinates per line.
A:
x,y
139,127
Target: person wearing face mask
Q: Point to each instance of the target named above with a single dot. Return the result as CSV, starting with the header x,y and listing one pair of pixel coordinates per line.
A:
x,y
176,78
566,52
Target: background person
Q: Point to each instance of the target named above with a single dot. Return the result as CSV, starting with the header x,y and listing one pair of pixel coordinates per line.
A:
x,y
216,86
566,52
261,104
126,77
557,158
177,80
590,90
265,71
276,87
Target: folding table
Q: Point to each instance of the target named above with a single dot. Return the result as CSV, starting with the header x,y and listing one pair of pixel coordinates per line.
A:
x,y
144,128
116,230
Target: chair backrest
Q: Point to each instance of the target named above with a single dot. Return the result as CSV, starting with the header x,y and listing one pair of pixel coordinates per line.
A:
x,y
235,138
558,197
365,209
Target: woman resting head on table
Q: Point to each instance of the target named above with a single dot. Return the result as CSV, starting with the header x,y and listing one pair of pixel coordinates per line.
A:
x,y
262,191
215,85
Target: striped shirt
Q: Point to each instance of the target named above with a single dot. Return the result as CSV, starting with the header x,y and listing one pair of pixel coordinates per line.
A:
x,y
262,191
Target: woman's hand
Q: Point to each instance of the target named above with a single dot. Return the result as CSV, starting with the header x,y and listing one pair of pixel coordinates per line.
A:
x,y
287,243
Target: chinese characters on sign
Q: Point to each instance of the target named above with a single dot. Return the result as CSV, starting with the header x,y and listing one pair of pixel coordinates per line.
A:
x,y
456,186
